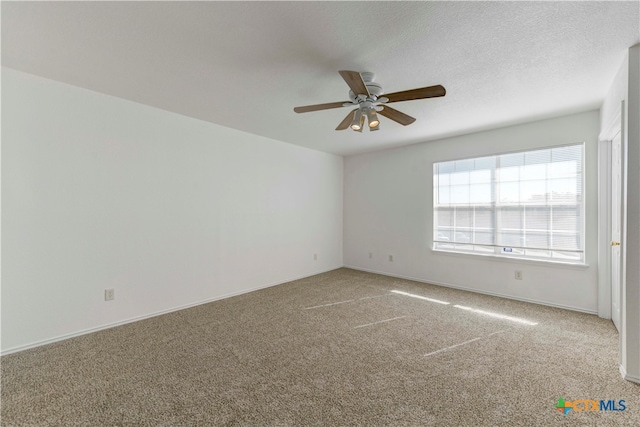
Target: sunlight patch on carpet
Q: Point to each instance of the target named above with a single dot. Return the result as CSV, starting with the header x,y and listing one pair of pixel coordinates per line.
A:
x,y
327,305
462,343
380,321
497,315
406,294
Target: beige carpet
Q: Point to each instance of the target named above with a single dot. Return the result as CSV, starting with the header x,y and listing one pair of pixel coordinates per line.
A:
x,y
335,349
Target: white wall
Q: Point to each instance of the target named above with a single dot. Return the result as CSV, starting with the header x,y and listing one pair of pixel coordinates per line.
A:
x,y
388,204
99,192
630,337
632,285
626,87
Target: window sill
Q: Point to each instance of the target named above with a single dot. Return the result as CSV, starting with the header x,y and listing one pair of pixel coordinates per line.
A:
x,y
538,262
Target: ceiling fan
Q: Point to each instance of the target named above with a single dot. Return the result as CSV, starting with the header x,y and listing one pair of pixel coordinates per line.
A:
x,y
366,96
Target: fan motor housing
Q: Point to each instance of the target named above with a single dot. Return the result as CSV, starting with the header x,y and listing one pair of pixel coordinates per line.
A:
x,y
375,89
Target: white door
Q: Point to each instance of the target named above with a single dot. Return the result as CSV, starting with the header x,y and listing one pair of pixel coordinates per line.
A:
x,y
616,210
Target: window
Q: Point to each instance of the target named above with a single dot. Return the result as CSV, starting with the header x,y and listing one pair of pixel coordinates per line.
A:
x,y
517,205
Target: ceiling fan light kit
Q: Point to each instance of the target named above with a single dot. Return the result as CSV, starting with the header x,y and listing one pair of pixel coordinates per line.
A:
x,y
358,121
372,117
366,96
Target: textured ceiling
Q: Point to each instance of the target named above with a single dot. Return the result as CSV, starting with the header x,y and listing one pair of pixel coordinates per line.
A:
x,y
245,65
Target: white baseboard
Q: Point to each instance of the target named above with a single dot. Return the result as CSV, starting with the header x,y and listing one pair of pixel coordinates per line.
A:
x,y
462,288
154,314
628,377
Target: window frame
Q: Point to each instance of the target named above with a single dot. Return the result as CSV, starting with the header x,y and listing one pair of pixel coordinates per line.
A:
x,y
495,207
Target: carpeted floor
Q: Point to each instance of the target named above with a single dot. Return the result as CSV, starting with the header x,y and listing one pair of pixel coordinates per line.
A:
x,y
338,348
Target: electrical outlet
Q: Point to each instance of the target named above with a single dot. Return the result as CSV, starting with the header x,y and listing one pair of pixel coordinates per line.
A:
x,y
315,257
109,294
518,275
390,258
370,254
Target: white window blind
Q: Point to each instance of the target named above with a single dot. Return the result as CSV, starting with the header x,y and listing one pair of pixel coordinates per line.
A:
x,y
524,205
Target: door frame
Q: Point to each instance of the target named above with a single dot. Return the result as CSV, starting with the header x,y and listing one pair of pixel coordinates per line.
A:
x,y
604,213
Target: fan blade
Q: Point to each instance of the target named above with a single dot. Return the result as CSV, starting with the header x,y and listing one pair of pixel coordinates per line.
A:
x,y
396,116
355,82
317,107
409,95
347,120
